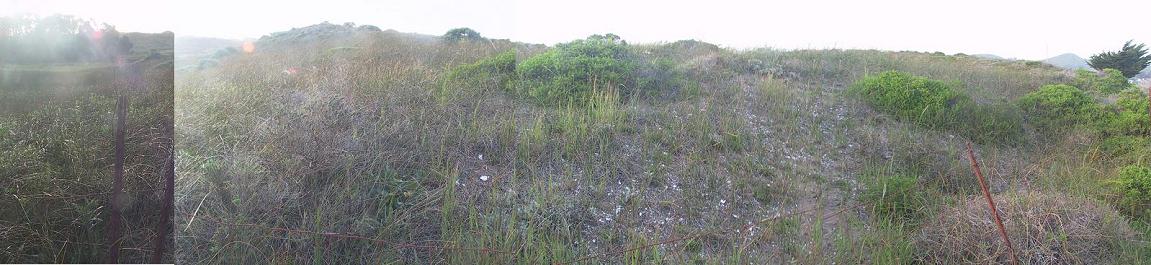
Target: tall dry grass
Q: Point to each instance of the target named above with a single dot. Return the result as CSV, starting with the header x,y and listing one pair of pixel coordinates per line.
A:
x,y
369,155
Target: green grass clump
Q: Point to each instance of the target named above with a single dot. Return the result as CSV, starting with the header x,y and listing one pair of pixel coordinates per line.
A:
x,y
1135,186
1060,106
896,198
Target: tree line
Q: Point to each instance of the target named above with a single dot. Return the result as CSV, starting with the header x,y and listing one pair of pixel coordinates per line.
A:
x,y
59,39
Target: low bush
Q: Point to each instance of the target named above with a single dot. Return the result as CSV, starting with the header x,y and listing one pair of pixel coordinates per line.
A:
x,y
923,101
571,72
1110,81
938,105
1135,187
1129,115
1061,106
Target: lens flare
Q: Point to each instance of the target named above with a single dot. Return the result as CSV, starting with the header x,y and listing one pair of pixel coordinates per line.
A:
x,y
248,47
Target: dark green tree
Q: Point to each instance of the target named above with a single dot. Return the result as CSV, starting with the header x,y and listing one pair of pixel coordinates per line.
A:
x,y
1129,60
458,34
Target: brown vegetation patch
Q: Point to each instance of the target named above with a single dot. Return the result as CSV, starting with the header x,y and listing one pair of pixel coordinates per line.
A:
x,y
1045,229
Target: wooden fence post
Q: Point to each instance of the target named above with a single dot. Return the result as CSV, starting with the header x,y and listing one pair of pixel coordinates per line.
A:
x,y
115,222
991,203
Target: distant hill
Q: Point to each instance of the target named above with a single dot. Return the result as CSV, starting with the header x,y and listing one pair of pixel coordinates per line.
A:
x,y
988,56
1068,61
186,45
1145,74
329,31
191,50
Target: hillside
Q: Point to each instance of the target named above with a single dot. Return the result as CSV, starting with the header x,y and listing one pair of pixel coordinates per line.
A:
x,y
988,56
1068,61
190,50
348,145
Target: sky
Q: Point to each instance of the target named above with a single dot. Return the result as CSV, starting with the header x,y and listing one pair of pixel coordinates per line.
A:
x,y
1015,29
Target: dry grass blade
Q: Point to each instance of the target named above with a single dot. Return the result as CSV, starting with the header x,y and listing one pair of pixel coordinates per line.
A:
x,y
991,203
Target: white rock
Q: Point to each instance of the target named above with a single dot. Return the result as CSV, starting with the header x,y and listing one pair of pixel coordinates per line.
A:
x,y
485,177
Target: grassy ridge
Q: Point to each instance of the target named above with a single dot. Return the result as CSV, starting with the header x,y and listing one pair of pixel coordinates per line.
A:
x,y
423,152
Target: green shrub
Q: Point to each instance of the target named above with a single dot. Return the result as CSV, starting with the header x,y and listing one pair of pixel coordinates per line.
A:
x,y
1129,115
896,198
1108,82
1135,187
1059,106
937,105
571,72
917,99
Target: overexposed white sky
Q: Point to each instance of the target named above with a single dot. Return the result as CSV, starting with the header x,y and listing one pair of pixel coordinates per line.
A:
x,y
1014,29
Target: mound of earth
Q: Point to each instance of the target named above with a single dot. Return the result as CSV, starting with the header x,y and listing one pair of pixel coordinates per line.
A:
x,y
1044,229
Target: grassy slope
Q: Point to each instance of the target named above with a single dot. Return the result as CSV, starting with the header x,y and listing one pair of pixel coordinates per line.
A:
x,y
369,143
56,130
